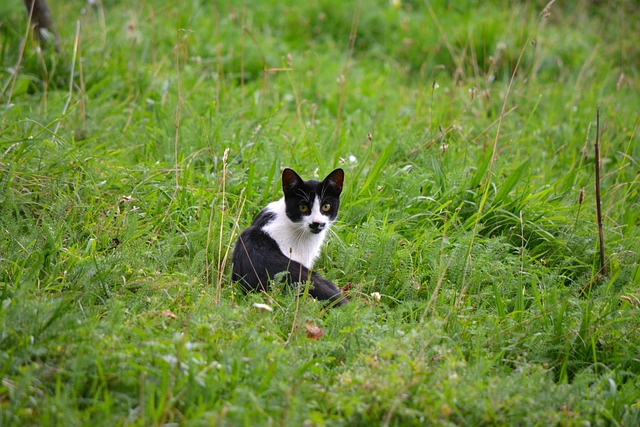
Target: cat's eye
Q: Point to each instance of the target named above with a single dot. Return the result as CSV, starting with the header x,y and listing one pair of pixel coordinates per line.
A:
x,y
304,208
326,207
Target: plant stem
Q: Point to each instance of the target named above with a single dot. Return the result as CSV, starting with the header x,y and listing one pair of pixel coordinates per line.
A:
x,y
603,266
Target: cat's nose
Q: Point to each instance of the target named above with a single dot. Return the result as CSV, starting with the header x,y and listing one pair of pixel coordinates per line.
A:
x,y
317,227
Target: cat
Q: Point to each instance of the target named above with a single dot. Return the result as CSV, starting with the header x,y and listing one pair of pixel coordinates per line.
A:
x,y
287,235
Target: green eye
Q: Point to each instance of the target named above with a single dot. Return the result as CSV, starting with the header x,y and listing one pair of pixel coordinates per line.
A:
x,y
304,208
326,207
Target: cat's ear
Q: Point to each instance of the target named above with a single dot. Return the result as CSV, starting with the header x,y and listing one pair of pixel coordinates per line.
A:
x,y
335,180
290,180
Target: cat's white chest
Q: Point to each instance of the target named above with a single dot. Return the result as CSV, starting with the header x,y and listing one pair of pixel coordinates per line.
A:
x,y
294,239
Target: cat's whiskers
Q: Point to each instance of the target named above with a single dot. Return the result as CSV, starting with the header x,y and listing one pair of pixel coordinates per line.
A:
x,y
332,232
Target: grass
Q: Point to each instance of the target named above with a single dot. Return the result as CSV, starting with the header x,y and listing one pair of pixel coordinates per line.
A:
x,y
130,160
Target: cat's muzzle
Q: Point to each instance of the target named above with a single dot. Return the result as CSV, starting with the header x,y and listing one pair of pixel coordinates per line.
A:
x,y
317,227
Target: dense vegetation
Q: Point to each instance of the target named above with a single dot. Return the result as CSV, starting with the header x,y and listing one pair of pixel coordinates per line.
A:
x,y
131,158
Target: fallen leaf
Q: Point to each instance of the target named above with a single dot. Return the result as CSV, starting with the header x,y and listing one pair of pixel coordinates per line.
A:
x,y
313,331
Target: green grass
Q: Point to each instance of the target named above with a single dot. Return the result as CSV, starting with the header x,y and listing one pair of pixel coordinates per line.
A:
x,y
466,132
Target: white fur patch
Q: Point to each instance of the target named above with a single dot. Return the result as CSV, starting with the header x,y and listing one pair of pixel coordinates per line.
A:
x,y
295,239
315,216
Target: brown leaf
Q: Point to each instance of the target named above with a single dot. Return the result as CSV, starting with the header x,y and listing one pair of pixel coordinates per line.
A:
x,y
313,331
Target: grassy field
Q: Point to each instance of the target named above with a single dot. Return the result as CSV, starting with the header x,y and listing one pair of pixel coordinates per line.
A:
x,y
467,237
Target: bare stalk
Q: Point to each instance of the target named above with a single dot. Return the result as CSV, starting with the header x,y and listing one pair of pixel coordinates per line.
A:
x,y
71,76
176,125
603,266
342,79
223,208
12,82
485,193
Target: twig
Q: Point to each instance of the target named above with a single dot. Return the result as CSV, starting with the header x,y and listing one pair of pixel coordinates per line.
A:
x,y
603,266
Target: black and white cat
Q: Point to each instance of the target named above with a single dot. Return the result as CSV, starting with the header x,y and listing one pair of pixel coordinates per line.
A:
x,y
287,236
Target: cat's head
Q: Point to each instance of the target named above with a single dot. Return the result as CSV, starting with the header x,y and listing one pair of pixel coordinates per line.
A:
x,y
312,204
